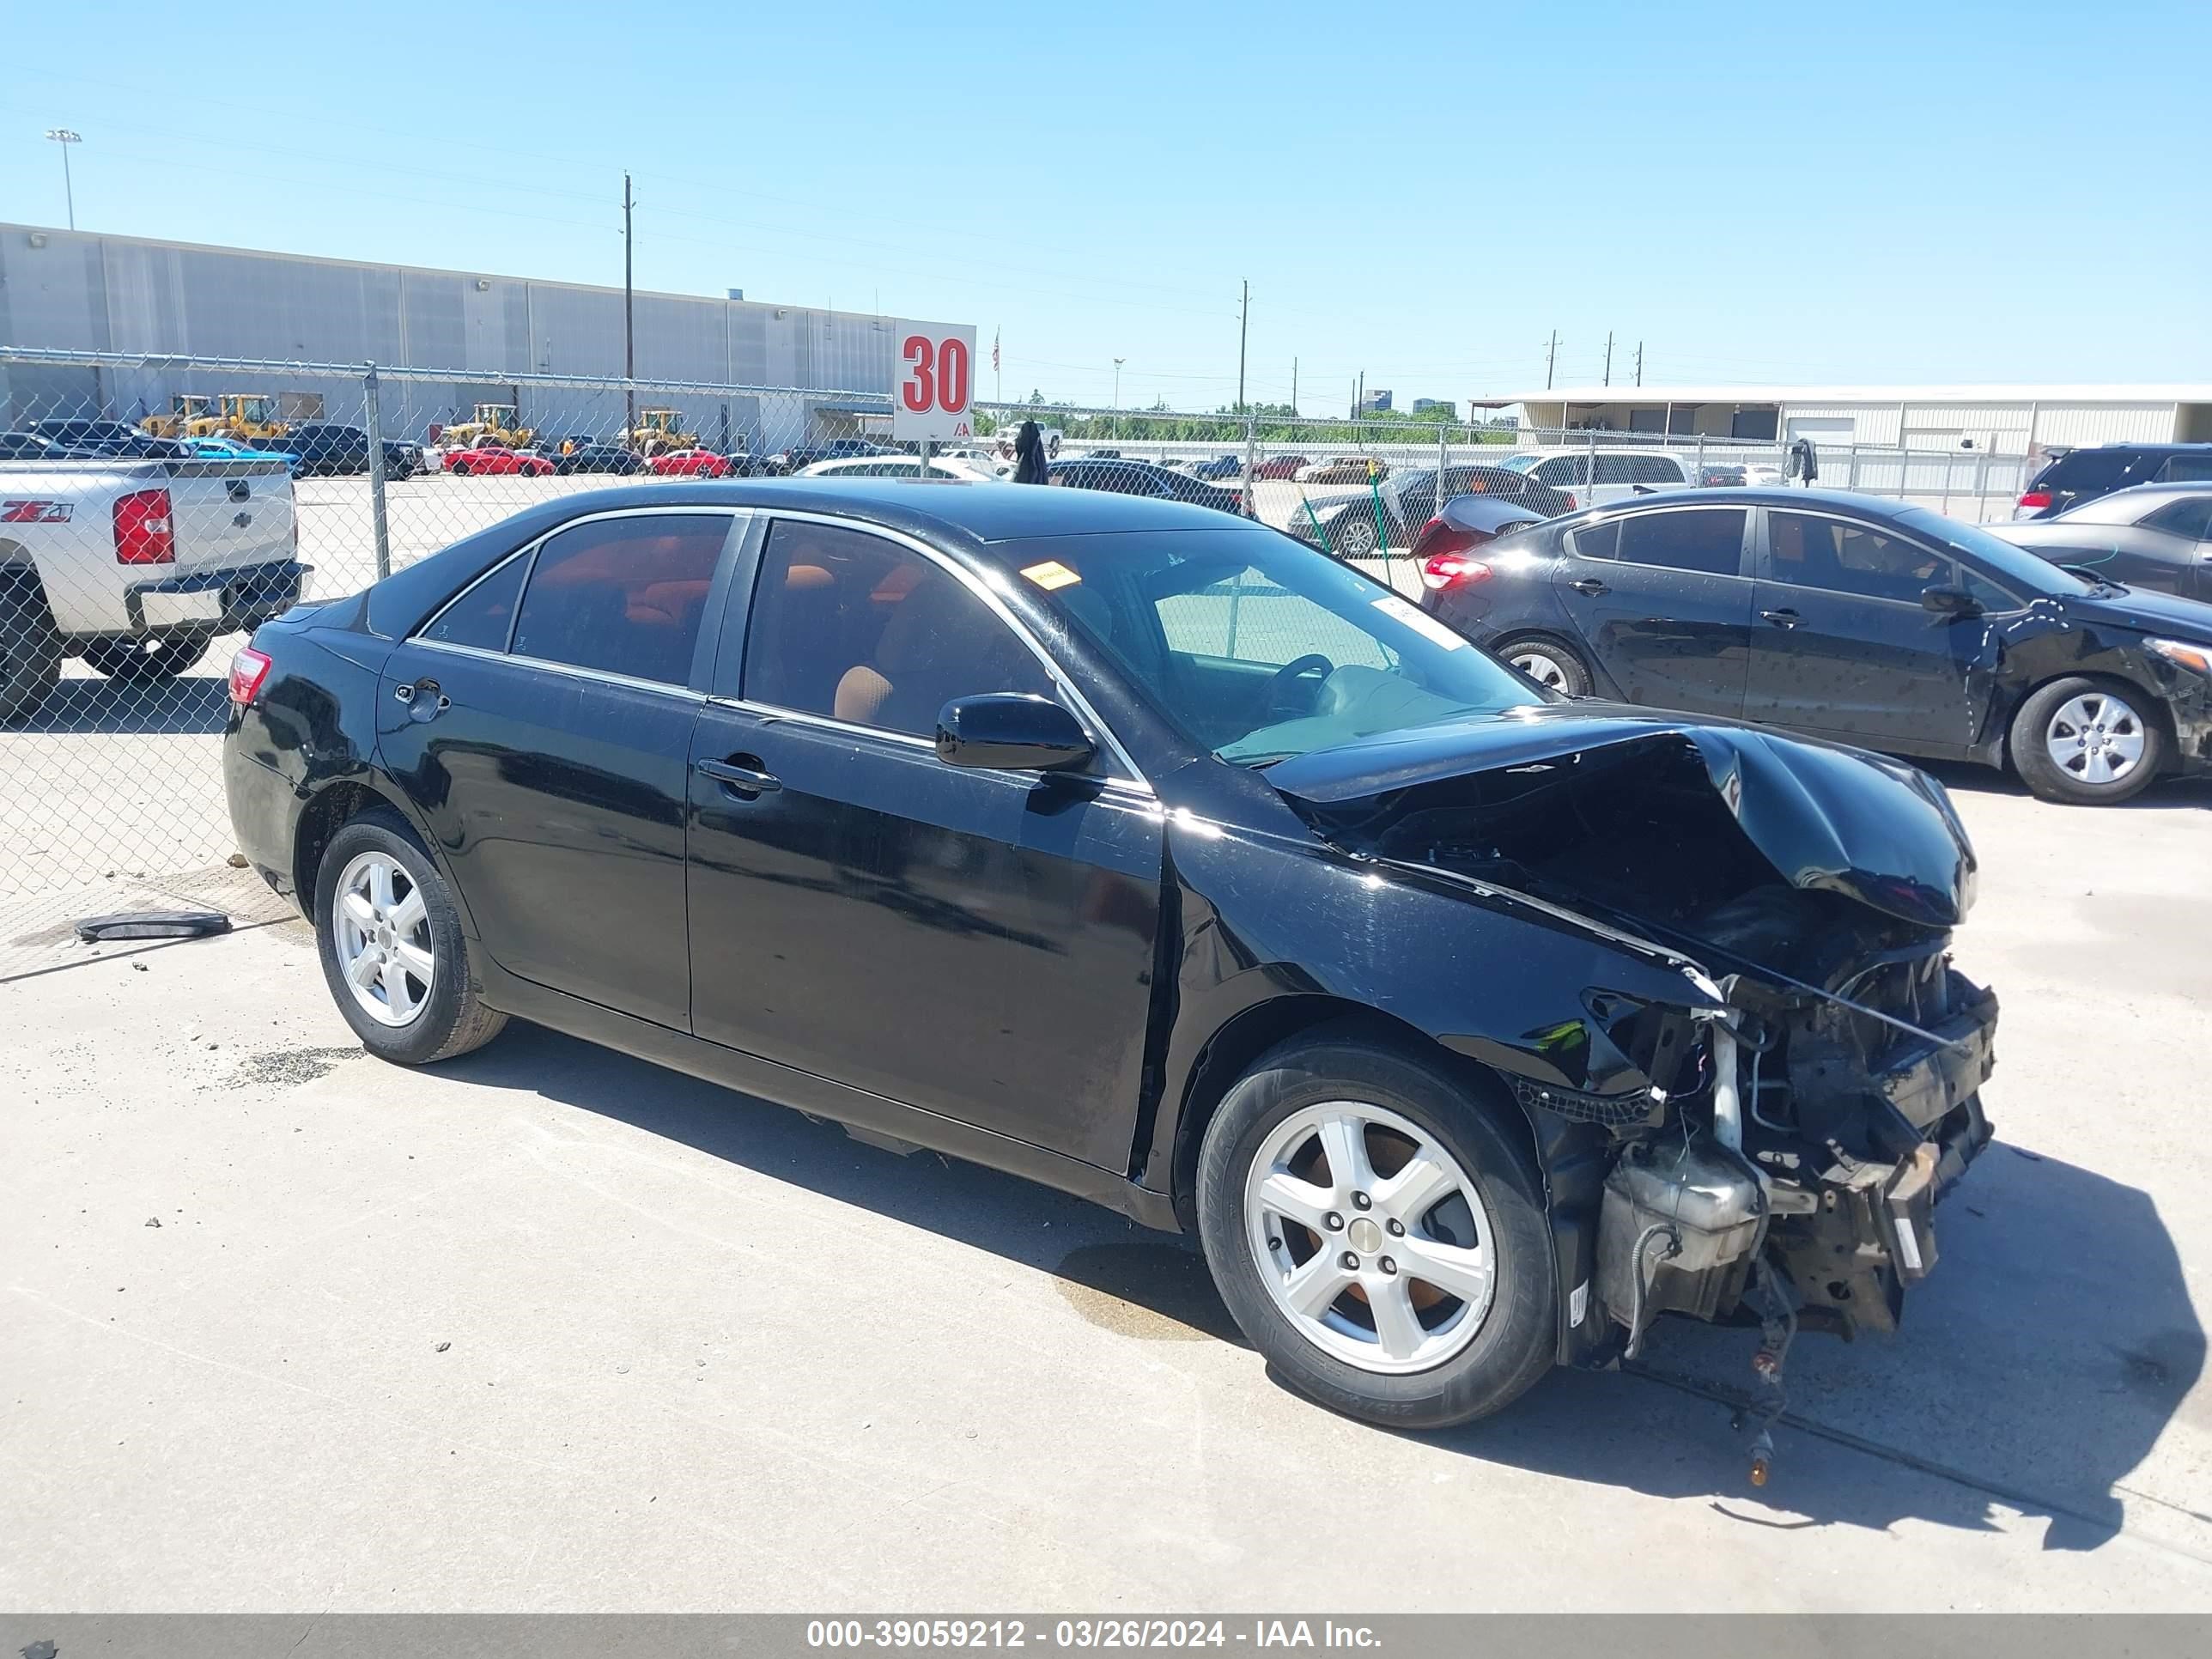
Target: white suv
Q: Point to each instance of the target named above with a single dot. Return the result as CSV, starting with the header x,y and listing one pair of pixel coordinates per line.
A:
x,y
1621,473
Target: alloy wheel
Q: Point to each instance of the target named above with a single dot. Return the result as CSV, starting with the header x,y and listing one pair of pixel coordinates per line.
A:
x,y
382,932
2095,738
1370,1237
1357,539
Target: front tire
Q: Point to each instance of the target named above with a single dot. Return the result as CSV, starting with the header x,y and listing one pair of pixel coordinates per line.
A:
x,y
2086,743
392,950
1379,1234
1356,539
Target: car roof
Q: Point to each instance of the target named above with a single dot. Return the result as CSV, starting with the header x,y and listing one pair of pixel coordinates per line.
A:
x,y
1882,506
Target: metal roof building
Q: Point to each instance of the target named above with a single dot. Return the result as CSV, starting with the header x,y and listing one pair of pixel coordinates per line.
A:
x,y
2026,420
68,290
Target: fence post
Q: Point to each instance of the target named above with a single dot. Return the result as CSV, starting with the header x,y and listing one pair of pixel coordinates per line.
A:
x,y
1701,458
1981,485
372,418
1251,460
1443,463
1851,467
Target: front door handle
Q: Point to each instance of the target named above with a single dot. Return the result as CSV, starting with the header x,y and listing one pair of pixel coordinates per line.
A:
x,y
424,700
1590,587
745,780
1782,618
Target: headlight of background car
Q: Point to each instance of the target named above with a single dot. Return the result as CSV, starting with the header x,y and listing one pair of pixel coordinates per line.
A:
x,y
2197,659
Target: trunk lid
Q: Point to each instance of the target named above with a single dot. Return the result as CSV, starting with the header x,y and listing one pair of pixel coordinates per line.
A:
x,y
228,514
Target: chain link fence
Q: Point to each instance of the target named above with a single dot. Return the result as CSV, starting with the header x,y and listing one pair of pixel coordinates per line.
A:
x,y
153,509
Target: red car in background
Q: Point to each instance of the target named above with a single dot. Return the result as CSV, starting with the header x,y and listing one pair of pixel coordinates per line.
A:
x,y
1280,466
690,464
490,460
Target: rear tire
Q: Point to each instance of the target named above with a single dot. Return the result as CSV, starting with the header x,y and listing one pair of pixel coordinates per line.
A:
x,y
1554,666
1355,537
2088,743
402,1013
1476,1216
30,647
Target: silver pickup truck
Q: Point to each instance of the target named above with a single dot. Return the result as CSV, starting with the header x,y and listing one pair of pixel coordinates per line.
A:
x,y
135,565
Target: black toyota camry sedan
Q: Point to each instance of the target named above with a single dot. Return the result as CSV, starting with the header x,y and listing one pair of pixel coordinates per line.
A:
x,y
1850,618
1154,855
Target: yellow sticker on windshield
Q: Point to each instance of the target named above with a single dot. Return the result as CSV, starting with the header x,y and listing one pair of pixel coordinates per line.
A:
x,y
1050,574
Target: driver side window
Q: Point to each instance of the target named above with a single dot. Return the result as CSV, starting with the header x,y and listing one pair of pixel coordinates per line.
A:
x,y
1843,555
857,629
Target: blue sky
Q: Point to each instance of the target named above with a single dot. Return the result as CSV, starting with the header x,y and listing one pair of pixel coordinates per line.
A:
x,y
1945,192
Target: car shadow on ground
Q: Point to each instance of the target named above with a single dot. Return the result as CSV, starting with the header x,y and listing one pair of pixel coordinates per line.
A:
x,y
2168,794
196,705
2038,1366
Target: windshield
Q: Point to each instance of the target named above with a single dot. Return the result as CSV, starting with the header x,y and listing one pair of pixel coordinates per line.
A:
x,y
2001,559
1257,647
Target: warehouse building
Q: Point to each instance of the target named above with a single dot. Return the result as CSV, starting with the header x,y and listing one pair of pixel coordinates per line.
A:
x,y
66,290
2026,421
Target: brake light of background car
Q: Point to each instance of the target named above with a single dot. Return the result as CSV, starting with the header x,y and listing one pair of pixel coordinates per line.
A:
x,y
2034,502
1572,502
248,668
143,530
1451,567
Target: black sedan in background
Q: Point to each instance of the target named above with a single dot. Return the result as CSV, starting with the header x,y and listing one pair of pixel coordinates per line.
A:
x,y
1118,476
1214,469
1851,618
593,457
2157,536
331,448
2083,474
1144,853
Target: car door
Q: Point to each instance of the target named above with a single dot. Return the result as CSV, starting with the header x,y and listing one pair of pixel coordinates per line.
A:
x,y
1843,645
2170,549
541,727
1662,596
978,944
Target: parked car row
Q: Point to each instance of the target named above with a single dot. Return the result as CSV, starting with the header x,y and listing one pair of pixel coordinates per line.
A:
x,y
1848,618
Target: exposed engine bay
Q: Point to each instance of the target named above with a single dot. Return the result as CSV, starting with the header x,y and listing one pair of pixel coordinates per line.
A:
x,y
1773,1149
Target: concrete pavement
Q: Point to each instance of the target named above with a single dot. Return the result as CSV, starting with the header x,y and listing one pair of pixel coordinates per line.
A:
x,y
550,1329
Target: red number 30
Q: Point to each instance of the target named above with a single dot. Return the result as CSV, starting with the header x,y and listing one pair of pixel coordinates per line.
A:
x,y
939,375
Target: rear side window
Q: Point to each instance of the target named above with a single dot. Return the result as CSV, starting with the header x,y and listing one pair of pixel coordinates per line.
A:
x,y
2191,518
1563,469
2086,469
2187,469
1655,469
481,616
624,596
1598,541
1708,539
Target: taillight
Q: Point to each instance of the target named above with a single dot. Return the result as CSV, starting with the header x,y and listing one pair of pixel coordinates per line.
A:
x,y
143,534
1451,567
248,668
2034,502
1571,502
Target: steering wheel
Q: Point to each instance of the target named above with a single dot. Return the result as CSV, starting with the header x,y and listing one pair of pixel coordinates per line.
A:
x,y
1312,663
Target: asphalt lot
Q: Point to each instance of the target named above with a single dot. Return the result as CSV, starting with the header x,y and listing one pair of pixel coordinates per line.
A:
x,y
550,1329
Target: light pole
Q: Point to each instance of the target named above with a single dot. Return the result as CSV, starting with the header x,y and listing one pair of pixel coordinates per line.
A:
x,y
64,137
1118,361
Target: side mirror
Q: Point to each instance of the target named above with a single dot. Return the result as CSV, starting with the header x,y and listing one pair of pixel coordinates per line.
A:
x,y
1950,601
1011,731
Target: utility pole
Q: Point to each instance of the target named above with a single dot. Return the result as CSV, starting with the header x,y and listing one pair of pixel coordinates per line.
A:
x,y
1359,395
1608,357
1639,362
1551,356
1118,361
1243,328
1294,385
64,137
630,336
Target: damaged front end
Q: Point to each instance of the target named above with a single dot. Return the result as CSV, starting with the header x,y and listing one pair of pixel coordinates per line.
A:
x,y
1795,1118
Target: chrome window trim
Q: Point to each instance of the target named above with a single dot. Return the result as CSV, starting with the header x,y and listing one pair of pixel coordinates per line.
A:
x,y
598,676
529,551
997,606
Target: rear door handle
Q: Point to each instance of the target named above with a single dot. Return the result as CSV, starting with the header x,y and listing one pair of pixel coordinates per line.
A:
x,y
1782,618
740,780
424,700
1589,586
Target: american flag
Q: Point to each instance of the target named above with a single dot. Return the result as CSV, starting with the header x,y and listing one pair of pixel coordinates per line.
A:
x,y
994,349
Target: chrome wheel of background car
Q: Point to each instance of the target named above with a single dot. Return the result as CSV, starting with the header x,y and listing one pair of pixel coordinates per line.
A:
x,y
1370,1237
1541,667
381,928
2096,738
1357,539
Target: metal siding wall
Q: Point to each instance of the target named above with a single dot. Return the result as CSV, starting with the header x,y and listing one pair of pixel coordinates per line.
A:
x,y
2104,423
1871,423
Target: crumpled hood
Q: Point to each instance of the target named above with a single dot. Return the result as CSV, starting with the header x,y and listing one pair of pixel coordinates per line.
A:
x,y
1826,818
